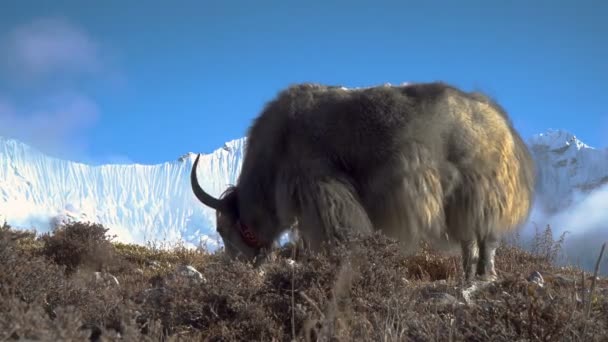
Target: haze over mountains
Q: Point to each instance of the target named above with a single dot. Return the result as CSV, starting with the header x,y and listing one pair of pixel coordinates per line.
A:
x,y
142,203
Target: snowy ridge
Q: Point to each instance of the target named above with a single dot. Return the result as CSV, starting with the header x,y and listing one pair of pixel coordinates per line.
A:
x,y
141,203
138,203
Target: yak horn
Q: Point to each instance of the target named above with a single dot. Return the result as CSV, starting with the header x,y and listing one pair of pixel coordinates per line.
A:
x,y
203,196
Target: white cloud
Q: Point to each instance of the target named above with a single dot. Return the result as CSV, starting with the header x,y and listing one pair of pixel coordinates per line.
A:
x,y
51,45
586,224
41,102
589,213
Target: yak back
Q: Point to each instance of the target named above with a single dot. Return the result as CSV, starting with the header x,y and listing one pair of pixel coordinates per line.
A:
x,y
357,131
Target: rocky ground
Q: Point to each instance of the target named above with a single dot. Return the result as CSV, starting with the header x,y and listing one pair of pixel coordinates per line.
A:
x,y
76,284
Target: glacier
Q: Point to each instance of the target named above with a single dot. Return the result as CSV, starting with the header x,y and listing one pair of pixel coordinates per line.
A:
x,y
137,203
154,204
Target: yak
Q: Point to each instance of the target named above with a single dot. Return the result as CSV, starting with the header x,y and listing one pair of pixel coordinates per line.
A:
x,y
422,160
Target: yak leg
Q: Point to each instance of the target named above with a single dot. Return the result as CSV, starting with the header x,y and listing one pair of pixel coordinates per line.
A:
x,y
487,250
470,257
329,211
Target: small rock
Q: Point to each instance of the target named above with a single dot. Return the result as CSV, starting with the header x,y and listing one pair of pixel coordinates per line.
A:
x,y
139,271
440,298
192,273
537,278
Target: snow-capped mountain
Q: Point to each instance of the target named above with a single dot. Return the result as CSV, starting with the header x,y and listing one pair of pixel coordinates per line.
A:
x,y
567,169
138,203
141,203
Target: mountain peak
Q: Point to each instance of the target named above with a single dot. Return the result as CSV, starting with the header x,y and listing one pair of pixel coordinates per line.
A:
x,y
567,167
234,145
557,139
187,156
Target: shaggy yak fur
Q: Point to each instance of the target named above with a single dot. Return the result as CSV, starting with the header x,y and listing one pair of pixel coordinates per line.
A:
x,y
421,160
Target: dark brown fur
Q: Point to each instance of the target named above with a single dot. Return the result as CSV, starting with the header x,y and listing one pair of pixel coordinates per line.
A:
x,y
417,161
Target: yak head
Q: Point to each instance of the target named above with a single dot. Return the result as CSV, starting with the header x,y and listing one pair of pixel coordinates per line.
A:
x,y
240,241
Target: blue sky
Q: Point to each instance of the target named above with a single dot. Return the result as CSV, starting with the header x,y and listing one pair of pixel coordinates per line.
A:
x,y
124,82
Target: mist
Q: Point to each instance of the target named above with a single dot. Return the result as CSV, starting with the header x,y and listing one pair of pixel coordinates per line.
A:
x,y
585,224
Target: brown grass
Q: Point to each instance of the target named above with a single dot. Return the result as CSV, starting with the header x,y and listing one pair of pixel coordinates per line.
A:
x,y
49,291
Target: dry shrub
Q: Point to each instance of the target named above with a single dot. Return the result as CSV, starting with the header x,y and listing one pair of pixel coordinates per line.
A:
x,y
78,244
367,292
29,321
545,247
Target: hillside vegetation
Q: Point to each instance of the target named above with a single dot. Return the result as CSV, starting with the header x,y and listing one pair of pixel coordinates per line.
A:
x,y
76,284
